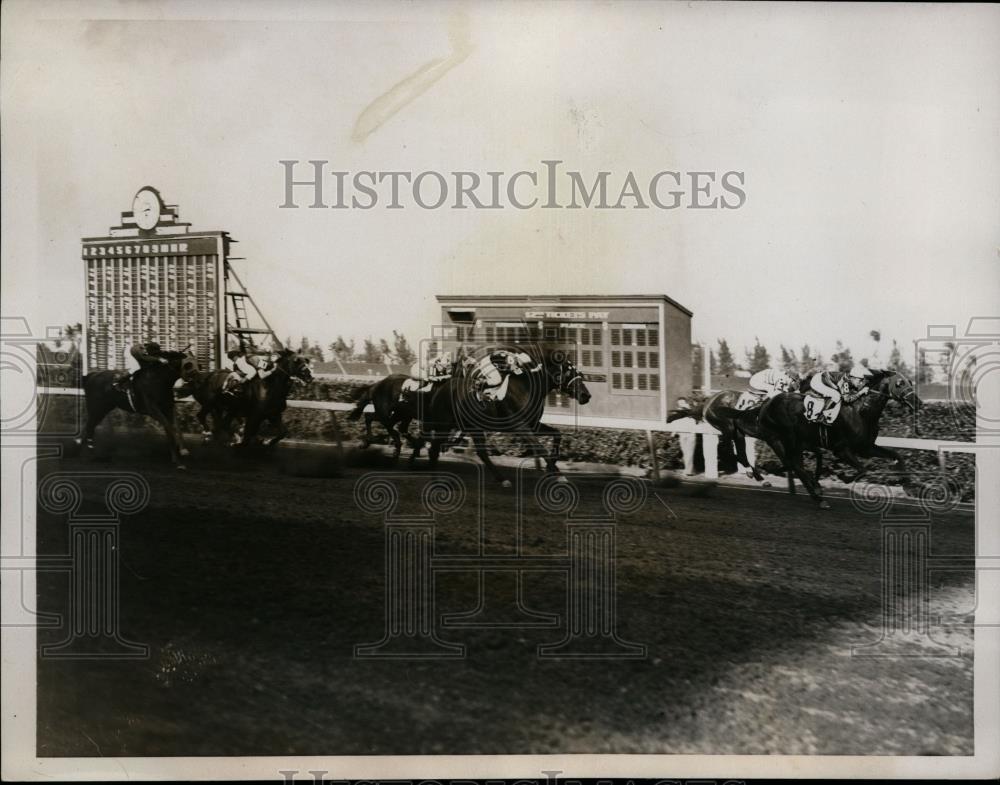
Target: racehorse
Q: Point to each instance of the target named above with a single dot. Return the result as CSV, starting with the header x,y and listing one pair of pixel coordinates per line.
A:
x,y
455,404
781,422
150,393
394,415
258,400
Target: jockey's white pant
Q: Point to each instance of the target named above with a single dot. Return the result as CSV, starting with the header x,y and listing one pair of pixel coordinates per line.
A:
x,y
765,390
240,364
131,364
817,385
489,372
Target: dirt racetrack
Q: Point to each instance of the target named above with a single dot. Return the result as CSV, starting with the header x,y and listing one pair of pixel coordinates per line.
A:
x,y
252,586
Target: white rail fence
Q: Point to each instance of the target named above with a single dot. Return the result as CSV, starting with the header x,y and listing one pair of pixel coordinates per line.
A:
x,y
687,430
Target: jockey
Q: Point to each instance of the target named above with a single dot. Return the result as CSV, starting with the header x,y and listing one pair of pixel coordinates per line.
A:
x,y
439,368
772,381
764,385
137,357
493,367
847,388
246,366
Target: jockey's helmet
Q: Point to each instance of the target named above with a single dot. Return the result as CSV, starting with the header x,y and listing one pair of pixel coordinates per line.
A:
x,y
153,347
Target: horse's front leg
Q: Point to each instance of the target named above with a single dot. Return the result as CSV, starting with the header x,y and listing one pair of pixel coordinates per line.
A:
x,y
784,454
366,439
206,432
848,456
479,440
556,434
434,452
94,418
740,447
397,442
792,458
813,487
416,443
177,448
278,422
251,427
875,451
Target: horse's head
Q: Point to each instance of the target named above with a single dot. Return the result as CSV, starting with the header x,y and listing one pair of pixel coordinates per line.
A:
x,y
296,365
566,377
898,388
183,363
302,368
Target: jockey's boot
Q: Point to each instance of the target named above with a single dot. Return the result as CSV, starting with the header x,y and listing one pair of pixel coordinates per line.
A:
x,y
121,383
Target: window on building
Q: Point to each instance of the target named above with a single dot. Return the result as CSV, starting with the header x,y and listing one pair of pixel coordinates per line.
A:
x,y
635,353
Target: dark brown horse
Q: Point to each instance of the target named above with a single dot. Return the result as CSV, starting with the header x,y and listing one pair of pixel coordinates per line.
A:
x,y
150,392
257,401
393,414
455,404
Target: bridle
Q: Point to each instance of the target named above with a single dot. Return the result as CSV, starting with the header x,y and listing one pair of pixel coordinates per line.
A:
x,y
909,398
289,374
557,379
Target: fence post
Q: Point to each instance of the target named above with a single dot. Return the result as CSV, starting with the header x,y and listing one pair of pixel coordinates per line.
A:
x,y
654,463
710,450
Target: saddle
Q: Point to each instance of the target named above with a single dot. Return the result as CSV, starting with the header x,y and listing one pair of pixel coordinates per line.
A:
x,y
820,409
124,385
497,393
748,400
413,385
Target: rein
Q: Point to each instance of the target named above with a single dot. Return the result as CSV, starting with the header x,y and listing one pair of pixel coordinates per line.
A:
x,y
555,379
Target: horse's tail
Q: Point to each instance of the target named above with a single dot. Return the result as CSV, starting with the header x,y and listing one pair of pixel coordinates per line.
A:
x,y
361,399
696,412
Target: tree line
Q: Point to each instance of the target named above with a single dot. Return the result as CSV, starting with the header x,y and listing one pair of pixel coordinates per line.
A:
x,y
809,359
371,350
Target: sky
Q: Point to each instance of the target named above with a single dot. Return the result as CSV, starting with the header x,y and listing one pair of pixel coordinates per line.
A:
x,y
868,138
